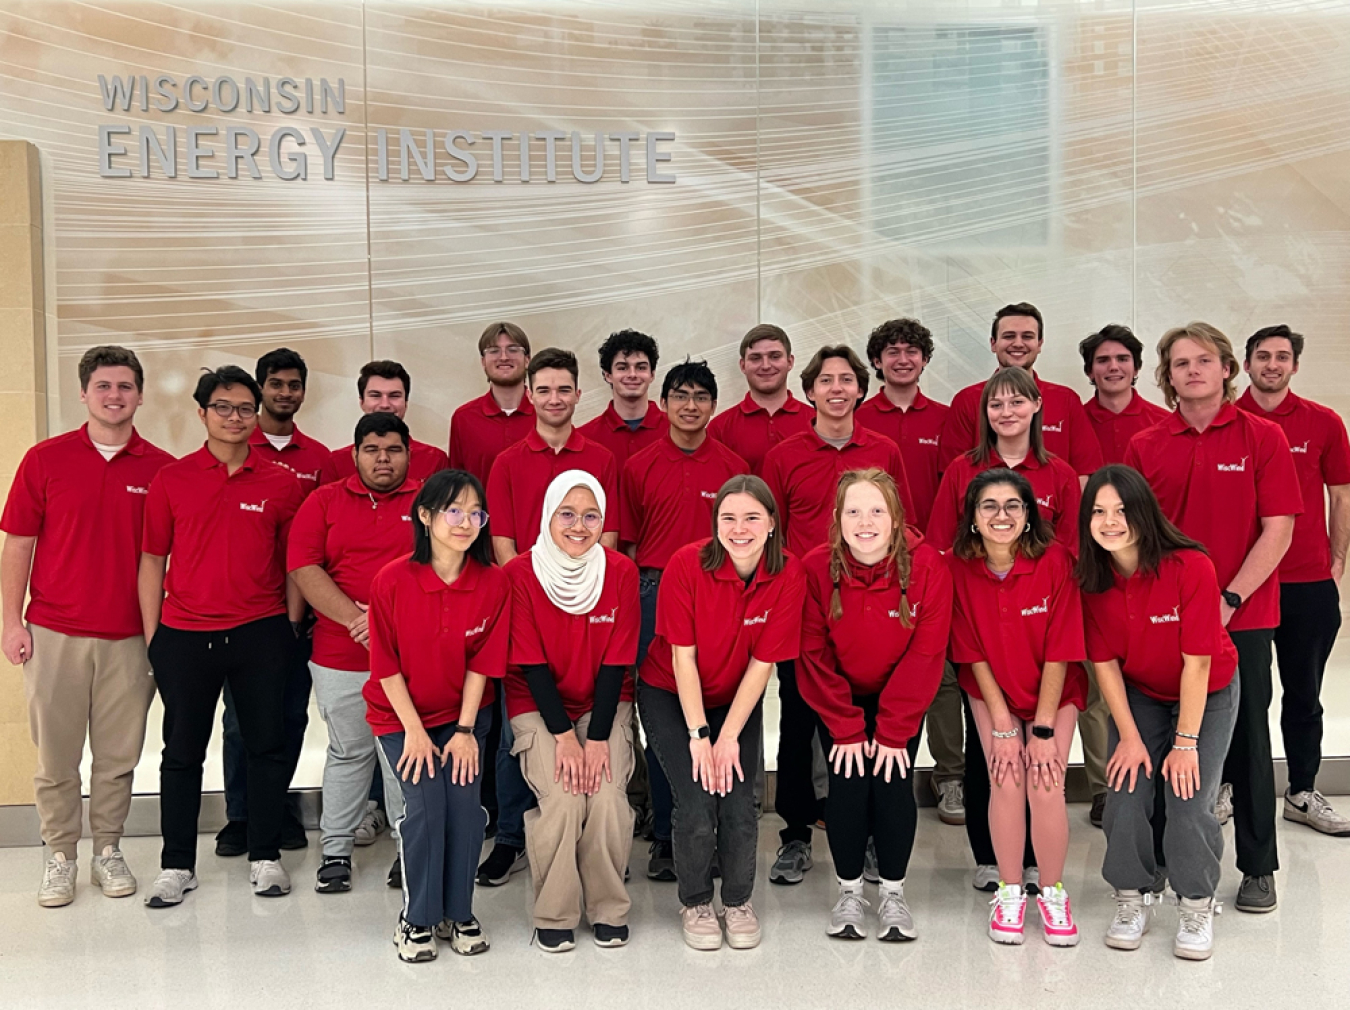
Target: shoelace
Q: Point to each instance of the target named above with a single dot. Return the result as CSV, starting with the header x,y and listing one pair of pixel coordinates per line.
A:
x,y
1129,911
792,849
62,871
851,903
1193,921
739,913
702,913
115,864
1317,803
1008,908
892,903
1056,901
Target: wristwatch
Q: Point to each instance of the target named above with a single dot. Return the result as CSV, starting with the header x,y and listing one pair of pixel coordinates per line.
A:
x,y
1231,598
461,728
1043,732
699,732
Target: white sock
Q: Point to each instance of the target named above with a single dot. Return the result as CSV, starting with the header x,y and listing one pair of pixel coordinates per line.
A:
x,y
892,885
851,884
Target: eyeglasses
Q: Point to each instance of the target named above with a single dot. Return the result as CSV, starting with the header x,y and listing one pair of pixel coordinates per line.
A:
x,y
1013,509
679,396
246,411
567,519
510,350
455,517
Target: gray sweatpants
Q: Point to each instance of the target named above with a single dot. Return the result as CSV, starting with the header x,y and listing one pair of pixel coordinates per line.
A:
x,y
1192,839
352,756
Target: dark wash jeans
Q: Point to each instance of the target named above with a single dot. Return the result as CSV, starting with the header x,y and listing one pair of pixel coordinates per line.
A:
x,y
703,824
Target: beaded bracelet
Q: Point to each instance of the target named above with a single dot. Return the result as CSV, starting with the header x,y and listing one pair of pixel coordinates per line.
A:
x,y
1010,735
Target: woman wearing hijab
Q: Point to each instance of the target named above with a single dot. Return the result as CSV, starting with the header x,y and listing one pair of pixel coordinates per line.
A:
x,y
575,626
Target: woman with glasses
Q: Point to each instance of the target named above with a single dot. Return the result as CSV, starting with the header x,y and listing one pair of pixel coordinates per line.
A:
x,y
438,625
574,635
1017,637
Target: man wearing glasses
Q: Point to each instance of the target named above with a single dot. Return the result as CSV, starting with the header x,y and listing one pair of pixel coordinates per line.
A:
x,y
224,615
482,429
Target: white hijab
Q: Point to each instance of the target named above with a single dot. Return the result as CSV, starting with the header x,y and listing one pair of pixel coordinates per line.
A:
x,y
572,584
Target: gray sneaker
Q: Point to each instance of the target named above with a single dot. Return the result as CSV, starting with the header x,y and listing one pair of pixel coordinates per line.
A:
x,y
1134,915
894,923
58,882
951,802
1311,808
870,872
794,859
846,918
1195,932
111,873
170,887
985,878
1223,806
269,878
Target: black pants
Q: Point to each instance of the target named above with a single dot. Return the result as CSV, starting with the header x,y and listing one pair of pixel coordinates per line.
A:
x,y
703,824
1250,768
795,798
1310,618
978,790
191,668
867,806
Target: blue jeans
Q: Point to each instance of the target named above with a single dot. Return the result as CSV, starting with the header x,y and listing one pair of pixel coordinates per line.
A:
x,y
295,716
514,796
662,801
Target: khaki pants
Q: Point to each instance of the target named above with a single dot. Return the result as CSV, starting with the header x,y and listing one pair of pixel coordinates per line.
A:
x,y
77,688
946,726
1092,733
578,845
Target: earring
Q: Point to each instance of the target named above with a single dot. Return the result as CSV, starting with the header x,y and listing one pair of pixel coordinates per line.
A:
x,y
973,529
1026,527
770,533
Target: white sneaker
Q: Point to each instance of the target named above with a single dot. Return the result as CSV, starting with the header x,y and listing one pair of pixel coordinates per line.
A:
x,y
1134,916
170,887
846,918
1056,911
58,882
1311,808
894,921
269,878
111,873
1008,917
986,878
1195,934
372,824
1223,806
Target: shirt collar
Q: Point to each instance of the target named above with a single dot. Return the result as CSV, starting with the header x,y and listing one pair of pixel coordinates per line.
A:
x,y
1132,409
1287,406
1029,463
791,406
728,573
1178,425
135,445
299,440
1022,565
432,583
650,419
860,436
205,461
356,486
574,442
673,451
883,403
492,408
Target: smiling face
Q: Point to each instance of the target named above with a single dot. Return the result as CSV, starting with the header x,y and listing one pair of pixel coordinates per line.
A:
x,y
835,391
504,361
1196,371
630,375
1000,515
900,364
866,523
382,461
554,394
743,527
111,395
1112,368
231,429
577,522
384,396
689,408
1017,342
1271,367
766,366
283,393
1109,524
1010,413
460,536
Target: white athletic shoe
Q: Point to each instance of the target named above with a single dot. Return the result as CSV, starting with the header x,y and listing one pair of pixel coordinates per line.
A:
x,y
111,873
170,887
269,878
1134,915
1195,933
1311,808
58,882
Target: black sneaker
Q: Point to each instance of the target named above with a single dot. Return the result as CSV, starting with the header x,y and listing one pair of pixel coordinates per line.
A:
x,y
395,878
661,865
609,936
1256,893
293,834
335,875
1098,810
497,868
555,941
232,839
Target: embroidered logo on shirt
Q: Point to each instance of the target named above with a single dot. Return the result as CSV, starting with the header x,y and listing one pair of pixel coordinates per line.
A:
x,y
1172,618
761,619
260,507
1042,608
137,490
1233,467
711,495
928,441
407,519
478,630
1300,448
1045,502
299,473
913,612
604,618
1053,427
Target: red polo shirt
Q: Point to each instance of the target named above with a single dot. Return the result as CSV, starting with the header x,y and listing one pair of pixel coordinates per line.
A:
x,y
1064,424
868,651
1147,621
1114,431
803,474
523,473
480,431
86,513
666,496
423,461
304,456
1054,483
573,646
225,537
1217,486
434,634
727,623
916,431
749,431
1033,616
1321,453
351,533
610,430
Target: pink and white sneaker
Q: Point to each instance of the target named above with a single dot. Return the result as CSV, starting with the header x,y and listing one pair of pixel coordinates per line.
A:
x,y
1009,914
1056,917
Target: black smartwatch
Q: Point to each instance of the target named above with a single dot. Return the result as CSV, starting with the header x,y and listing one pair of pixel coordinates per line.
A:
x,y
700,732
461,728
1043,732
1231,598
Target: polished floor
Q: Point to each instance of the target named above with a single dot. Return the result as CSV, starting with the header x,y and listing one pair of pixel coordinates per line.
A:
x,y
226,949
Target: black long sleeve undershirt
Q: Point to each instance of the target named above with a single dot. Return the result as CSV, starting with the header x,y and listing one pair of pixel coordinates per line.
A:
x,y
544,690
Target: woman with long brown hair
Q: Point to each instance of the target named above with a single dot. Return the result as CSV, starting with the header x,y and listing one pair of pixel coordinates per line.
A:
x,y
874,636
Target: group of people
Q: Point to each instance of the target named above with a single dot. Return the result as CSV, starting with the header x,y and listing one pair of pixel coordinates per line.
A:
x,y
588,618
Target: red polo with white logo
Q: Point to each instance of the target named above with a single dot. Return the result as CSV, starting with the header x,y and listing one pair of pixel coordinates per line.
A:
x,y
351,532
1321,452
1064,425
868,650
666,496
727,623
1017,624
917,432
305,457
1054,483
1217,486
480,431
572,646
611,431
750,431
1114,431
423,461
1146,622
86,513
523,473
803,474
434,634
225,537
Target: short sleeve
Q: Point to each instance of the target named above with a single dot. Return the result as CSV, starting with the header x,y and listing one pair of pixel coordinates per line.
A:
x,y
1277,487
675,600
780,639
966,646
1095,640
26,506
1064,634
488,657
380,620
500,504
308,542
526,643
623,642
157,526
1199,606
1336,455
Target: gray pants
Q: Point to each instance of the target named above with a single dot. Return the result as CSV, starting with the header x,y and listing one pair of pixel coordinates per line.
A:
x,y
1192,840
352,756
